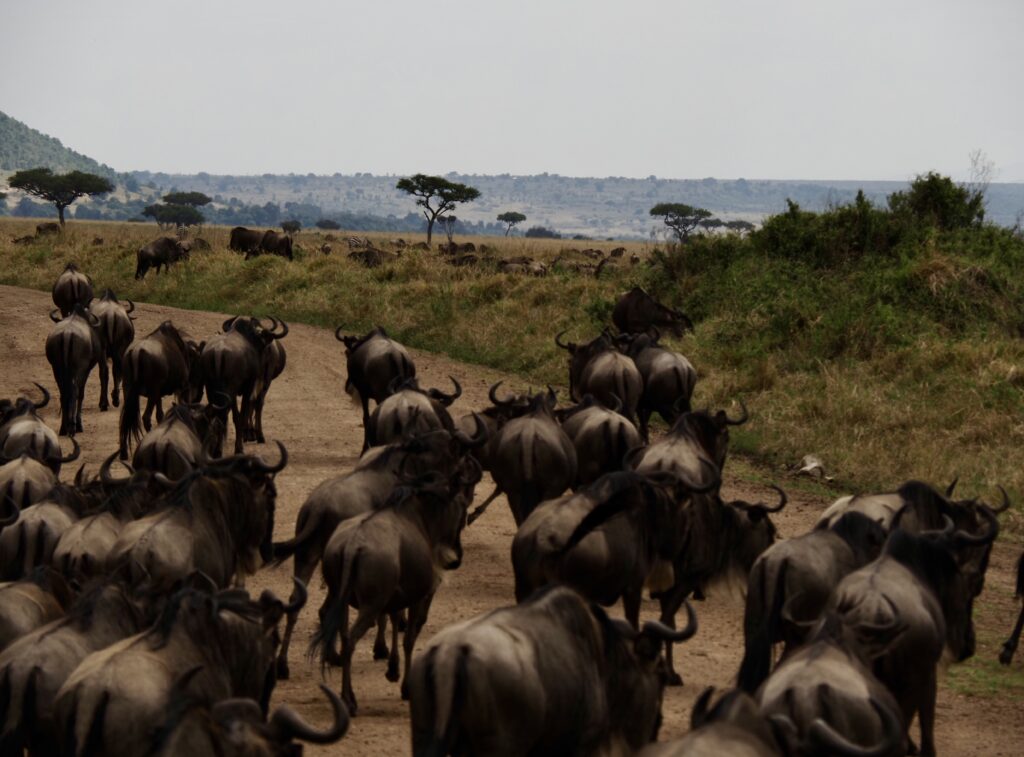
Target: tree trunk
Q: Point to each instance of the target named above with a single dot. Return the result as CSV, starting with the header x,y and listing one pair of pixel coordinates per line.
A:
x,y
430,230
508,229
60,215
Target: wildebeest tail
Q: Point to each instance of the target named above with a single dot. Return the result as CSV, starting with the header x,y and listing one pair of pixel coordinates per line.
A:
x,y
330,624
307,528
760,625
92,742
447,694
130,426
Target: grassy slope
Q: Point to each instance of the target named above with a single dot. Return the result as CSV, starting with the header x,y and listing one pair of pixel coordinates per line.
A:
x,y
907,370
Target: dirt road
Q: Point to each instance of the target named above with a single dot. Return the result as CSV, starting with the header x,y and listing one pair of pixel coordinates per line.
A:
x,y
308,411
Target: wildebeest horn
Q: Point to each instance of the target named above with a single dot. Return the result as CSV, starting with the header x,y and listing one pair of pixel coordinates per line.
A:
x,y
478,439
1004,506
338,335
964,539
716,478
265,468
54,315
945,532
15,511
131,306
737,421
492,394
448,399
221,407
661,632
558,341
284,328
553,396
616,405
824,739
105,476
226,326
286,725
75,452
783,499
952,486
46,398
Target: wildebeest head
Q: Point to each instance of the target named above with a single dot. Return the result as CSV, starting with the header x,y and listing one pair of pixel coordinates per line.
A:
x,y
636,311
710,430
254,330
443,512
581,354
749,530
934,556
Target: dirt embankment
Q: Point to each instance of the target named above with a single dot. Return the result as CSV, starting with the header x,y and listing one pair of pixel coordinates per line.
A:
x,y
309,412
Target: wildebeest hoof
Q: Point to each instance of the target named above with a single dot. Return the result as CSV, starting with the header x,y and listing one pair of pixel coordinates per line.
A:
x,y
674,679
282,670
392,673
104,407
380,652
333,658
116,400
405,691
1006,655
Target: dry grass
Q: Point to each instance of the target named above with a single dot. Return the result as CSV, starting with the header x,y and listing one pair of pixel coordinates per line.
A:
x,y
938,406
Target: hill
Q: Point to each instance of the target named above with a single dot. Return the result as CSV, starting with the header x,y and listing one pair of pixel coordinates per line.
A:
x,y
21,146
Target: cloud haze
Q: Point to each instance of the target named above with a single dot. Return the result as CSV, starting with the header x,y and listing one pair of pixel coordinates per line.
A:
x,y
815,90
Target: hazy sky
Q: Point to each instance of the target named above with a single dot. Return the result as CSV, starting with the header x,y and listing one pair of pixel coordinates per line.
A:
x,y
816,89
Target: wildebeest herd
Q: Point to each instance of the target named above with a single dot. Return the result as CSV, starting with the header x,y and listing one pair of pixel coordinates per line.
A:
x,y
125,628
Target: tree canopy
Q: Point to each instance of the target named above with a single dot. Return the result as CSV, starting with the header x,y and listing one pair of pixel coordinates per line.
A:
x,y
193,199
327,224
683,219
60,189
174,215
511,217
290,227
938,201
436,189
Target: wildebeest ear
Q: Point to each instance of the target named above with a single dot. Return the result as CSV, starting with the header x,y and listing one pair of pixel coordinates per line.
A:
x,y
699,714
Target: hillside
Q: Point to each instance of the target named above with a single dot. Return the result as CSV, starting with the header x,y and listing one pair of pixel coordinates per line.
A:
x,y
21,146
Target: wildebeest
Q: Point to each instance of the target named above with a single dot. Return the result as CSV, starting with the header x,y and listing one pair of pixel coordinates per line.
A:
x,y
1010,645
531,460
918,581
236,727
805,569
30,541
245,240
23,432
411,410
218,520
372,257
601,436
73,349
24,481
118,696
602,541
272,243
375,362
553,675
501,411
116,332
181,442
636,312
31,602
598,368
159,253
733,725
668,380
159,364
385,562
234,364
825,700
362,490
47,227
72,287
275,358
33,668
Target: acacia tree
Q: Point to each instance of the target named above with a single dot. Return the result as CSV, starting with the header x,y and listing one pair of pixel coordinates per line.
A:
x,y
291,227
511,217
192,199
448,224
174,215
682,219
442,193
60,189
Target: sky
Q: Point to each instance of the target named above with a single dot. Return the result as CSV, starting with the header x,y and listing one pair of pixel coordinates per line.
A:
x,y
789,89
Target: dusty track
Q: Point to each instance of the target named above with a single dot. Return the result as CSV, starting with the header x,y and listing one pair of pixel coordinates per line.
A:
x,y
309,412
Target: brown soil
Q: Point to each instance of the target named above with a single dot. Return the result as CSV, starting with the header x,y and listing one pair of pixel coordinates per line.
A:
x,y
308,410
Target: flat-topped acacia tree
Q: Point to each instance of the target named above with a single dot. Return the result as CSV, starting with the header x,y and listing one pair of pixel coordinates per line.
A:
x,y
436,195
511,217
681,218
60,189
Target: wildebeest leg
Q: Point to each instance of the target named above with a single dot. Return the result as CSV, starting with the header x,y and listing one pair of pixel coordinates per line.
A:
x,y
115,396
147,417
79,402
380,644
258,417
104,381
671,601
483,506
365,620
303,570
159,409
392,672
1010,645
417,619
926,715
644,417
366,420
